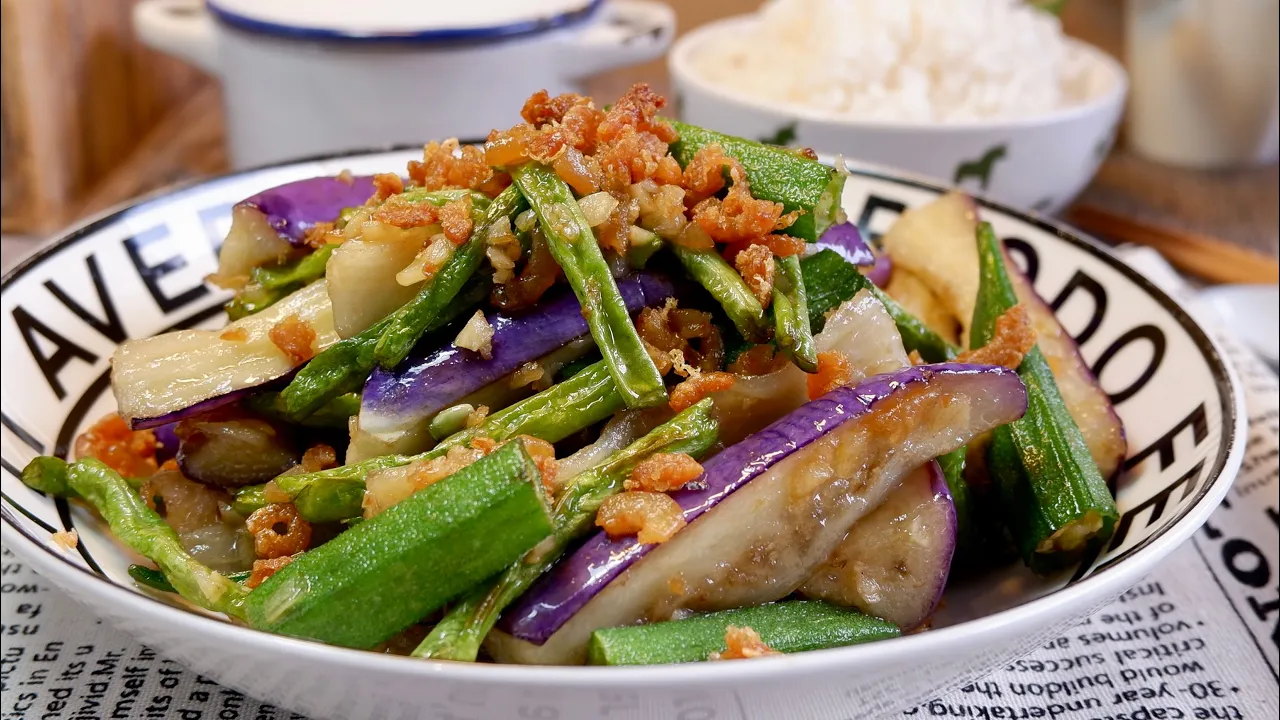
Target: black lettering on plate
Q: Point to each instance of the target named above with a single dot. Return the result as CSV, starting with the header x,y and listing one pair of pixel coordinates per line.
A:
x,y
1197,420
1019,248
1156,503
152,274
64,350
869,208
1151,334
1081,281
109,325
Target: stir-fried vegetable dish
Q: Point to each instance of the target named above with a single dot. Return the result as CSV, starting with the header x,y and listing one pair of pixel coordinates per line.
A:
x,y
608,389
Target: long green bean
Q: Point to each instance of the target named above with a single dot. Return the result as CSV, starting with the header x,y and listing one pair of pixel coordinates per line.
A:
x,y
553,414
407,325
139,527
792,331
574,247
728,288
344,366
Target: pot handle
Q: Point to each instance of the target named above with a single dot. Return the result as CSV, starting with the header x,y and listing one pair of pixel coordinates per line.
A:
x,y
626,32
182,28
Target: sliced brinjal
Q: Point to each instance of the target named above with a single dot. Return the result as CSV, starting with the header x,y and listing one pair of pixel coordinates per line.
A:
x,y
770,509
894,562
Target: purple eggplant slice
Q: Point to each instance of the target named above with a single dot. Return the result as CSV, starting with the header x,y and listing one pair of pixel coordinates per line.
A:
x,y
397,401
847,241
880,271
1085,399
780,502
894,562
294,208
272,226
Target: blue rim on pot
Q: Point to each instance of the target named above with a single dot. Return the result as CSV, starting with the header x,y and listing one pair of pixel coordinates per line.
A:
x,y
532,17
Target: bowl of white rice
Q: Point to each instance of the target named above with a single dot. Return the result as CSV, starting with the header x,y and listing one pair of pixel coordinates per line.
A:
x,y
989,95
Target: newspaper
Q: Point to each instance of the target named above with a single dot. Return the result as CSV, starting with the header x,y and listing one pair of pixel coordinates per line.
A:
x,y
1197,639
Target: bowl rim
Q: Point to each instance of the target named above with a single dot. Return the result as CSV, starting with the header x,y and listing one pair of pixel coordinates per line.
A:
x,y
1076,598
680,64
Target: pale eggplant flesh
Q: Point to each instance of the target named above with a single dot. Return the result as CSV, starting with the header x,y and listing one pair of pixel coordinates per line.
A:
x,y
179,374
769,511
894,562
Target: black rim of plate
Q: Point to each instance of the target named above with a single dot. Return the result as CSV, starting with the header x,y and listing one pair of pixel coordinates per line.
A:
x,y
1217,365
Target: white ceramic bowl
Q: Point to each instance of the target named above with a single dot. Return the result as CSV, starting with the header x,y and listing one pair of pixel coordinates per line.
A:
x,y
1038,162
138,271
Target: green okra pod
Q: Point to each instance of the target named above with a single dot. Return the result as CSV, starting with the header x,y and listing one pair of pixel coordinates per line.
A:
x,y
830,280
776,174
387,573
787,627
1056,503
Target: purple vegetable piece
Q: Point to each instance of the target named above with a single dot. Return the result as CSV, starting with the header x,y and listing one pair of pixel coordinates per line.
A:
x,y
204,406
199,408
294,208
848,243
880,271
166,441
894,563
835,482
398,400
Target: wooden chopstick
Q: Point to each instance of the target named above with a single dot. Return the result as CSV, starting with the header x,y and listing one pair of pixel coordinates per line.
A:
x,y
1205,257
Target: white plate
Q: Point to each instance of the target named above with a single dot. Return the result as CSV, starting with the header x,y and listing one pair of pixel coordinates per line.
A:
x,y
138,271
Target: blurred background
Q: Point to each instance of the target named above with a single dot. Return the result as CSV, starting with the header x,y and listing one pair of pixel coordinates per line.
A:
x,y
93,115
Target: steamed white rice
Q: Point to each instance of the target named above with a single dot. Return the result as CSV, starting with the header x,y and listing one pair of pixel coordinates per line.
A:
x,y
901,60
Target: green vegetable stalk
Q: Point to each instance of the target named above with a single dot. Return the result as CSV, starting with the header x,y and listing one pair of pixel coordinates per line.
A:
x,y
267,285
459,635
154,579
552,415
831,280
728,288
407,325
1056,502
390,571
139,527
344,366
787,627
776,174
574,247
333,414
791,315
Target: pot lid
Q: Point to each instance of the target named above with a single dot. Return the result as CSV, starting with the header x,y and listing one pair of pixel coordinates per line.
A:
x,y
398,20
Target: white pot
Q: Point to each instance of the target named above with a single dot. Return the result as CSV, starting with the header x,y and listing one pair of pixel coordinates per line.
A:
x,y
391,73
1039,162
